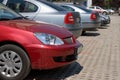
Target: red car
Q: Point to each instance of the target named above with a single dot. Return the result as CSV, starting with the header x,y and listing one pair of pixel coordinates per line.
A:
x,y
25,44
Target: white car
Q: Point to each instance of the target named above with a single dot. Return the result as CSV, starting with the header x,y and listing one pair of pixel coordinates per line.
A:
x,y
111,11
98,9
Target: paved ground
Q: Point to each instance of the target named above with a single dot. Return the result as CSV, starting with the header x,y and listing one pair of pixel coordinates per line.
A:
x,y
99,60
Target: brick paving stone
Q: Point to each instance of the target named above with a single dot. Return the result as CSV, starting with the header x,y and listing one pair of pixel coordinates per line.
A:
x,y
99,60
100,57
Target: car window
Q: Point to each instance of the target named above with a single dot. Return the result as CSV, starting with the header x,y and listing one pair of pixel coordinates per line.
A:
x,y
54,6
7,14
27,7
91,7
84,9
1,1
68,8
22,6
98,7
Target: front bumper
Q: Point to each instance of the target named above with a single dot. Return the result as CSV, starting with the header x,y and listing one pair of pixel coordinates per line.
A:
x,y
49,57
103,22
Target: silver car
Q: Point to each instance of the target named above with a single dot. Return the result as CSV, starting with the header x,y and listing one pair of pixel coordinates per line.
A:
x,y
40,10
89,19
105,19
99,9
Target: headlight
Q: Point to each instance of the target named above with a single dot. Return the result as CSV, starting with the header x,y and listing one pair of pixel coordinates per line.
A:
x,y
48,39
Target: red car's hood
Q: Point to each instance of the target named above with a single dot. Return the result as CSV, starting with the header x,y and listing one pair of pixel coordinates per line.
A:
x,y
37,27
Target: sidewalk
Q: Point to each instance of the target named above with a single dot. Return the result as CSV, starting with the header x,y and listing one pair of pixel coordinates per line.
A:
x,y
100,57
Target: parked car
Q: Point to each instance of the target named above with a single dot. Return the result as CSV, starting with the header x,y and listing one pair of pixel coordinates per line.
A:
x,y
99,9
105,19
41,10
110,11
25,44
90,20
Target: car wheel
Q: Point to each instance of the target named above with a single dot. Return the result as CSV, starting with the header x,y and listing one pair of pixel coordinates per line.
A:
x,y
14,63
109,20
104,13
83,32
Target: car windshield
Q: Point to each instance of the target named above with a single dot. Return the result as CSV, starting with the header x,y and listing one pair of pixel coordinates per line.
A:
x,y
58,8
1,1
8,14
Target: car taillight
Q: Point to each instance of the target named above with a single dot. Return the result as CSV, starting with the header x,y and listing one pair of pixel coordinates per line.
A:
x,y
69,19
93,16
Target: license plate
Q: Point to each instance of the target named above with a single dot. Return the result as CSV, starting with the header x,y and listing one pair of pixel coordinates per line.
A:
x,y
79,49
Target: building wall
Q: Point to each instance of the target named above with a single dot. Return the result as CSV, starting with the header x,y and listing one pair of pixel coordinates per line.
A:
x,y
89,3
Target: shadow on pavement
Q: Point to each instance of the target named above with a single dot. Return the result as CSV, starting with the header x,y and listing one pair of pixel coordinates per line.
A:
x,y
55,74
108,25
104,27
91,34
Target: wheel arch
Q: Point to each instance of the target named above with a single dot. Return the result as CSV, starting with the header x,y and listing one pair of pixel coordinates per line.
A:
x,y
14,43
25,69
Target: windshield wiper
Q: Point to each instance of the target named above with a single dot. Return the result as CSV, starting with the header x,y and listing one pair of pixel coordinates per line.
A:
x,y
4,19
16,18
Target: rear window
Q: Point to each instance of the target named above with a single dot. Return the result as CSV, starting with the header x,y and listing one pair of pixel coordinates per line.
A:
x,y
84,9
91,7
67,8
54,6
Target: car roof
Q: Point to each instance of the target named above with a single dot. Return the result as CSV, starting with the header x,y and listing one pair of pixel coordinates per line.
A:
x,y
52,5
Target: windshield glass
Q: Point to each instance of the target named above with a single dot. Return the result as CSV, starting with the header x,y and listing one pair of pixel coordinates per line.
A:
x,y
54,6
1,1
8,14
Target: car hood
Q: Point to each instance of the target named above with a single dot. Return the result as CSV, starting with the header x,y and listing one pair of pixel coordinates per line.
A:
x,y
40,27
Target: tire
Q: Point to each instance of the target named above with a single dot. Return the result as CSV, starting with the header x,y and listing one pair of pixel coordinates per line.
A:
x,y
14,63
109,20
105,13
83,32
